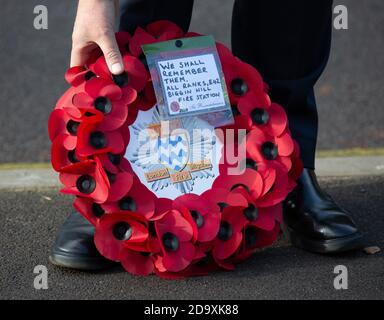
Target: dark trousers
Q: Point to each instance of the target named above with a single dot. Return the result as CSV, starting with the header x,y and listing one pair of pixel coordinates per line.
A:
x,y
288,41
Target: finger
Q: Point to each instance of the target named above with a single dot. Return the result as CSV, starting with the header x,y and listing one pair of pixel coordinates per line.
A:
x,y
79,56
111,53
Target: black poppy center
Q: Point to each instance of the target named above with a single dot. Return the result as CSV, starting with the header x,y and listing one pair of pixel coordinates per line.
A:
x,y
127,203
250,237
98,140
170,241
251,212
72,127
145,254
72,156
152,229
114,158
203,262
222,205
122,231
239,86
225,231
111,177
86,184
260,116
251,164
89,75
198,218
97,210
240,185
269,150
121,80
103,104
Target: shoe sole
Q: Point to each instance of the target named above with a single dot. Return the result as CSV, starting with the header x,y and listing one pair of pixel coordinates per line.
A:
x,y
80,263
338,245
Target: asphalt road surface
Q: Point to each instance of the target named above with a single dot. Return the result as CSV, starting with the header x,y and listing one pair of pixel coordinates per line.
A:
x,y
32,64
29,221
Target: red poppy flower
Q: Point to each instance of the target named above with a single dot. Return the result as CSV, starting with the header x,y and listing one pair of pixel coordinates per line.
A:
x,y
89,209
262,147
92,140
61,123
256,238
66,99
135,75
271,118
242,124
162,206
117,231
253,239
112,163
137,199
63,151
241,79
139,38
275,184
86,179
205,215
250,180
230,236
78,75
200,268
155,32
102,96
175,234
146,99
139,263
122,39
253,214
164,30
121,183
226,56
224,198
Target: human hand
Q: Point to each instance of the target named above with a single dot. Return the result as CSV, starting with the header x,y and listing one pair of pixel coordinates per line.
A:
x,y
93,28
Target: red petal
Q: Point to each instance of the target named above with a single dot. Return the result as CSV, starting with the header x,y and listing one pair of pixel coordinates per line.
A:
x,y
136,263
277,120
180,259
97,87
174,222
165,30
140,37
75,76
137,74
285,144
122,39
224,249
120,187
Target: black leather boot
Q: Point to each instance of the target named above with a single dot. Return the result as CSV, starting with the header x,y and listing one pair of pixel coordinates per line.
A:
x,y
315,222
74,247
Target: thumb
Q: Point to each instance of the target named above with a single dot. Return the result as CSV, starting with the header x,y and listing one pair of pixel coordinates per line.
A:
x,y
111,53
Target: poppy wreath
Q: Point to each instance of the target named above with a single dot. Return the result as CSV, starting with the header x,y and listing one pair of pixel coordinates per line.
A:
x,y
193,234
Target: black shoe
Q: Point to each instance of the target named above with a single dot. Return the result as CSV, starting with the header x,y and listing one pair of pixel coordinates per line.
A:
x,y
315,222
74,247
